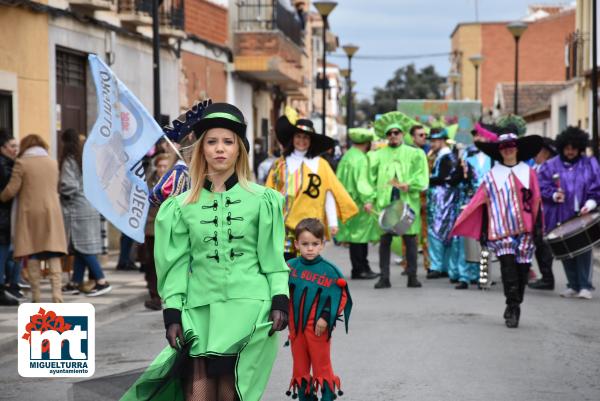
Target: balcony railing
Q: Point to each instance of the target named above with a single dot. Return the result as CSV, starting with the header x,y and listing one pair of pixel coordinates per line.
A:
x,y
171,14
268,15
135,6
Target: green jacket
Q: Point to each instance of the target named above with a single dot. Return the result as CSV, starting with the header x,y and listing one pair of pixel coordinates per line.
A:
x,y
408,165
353,173
227,245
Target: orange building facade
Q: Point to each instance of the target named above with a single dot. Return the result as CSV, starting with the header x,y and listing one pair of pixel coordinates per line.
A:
x,y
541,55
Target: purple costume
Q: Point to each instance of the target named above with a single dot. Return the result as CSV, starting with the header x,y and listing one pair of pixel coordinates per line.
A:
x,y
580,182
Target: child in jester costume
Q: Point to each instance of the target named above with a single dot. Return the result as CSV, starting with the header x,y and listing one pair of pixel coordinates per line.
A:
x,y
318,295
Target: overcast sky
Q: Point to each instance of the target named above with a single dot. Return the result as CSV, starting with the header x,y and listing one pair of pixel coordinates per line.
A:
x,y
409,27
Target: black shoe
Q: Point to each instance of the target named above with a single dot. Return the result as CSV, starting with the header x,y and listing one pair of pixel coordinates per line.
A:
x,y
6,300
70,289
463,285
14,292
474,282
127,266
433,274
413,282
541,284
99,289
444,274
453,280
512,321
383,283
153,304
365,275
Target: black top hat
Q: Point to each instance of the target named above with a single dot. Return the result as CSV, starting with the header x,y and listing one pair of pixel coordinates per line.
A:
x,y
285,131
527,146
223,115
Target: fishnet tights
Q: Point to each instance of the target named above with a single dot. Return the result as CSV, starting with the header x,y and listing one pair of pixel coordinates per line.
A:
x,y
198,386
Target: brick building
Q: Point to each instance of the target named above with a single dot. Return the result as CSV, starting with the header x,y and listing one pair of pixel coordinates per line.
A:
x,y
205,54
541,52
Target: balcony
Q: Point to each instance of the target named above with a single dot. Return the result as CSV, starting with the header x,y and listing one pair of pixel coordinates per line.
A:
x,y
93,5
268,43
134,13
172,19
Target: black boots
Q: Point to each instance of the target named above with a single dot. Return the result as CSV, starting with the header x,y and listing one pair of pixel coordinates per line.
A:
x,y
514,281
412,282
512,315
383,283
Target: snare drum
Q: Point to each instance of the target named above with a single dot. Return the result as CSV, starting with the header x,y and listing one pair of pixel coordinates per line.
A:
x,y
574,236
396,218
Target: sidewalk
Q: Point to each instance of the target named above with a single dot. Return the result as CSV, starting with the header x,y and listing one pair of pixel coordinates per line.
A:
x,y
128,289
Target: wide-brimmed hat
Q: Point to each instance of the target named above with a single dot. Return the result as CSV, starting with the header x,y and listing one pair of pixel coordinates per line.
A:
x,y
550,145
527,146
223,115
361,135
285,131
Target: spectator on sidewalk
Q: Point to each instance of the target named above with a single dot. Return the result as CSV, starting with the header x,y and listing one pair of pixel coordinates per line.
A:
x,y
82,221
125,249
39,230
160,164
9,292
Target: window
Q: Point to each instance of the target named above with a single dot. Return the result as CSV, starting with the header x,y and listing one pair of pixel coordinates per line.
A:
x,y
562,118
6,112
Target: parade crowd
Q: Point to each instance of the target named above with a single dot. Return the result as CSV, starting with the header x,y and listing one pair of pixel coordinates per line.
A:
x,y
230,262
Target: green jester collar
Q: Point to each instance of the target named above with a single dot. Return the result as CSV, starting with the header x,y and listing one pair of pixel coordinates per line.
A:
x,y
321,282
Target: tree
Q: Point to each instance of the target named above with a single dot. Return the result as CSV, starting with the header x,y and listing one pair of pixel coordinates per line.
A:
x,y
407,83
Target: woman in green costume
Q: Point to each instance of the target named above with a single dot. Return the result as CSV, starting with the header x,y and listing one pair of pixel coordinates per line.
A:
x,y
221,274
353,173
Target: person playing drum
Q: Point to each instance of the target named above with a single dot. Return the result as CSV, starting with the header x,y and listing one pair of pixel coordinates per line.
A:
x,y
397,172
570,186
505,212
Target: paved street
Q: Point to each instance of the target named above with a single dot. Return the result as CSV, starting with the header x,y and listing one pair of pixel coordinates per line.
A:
x,y
432,343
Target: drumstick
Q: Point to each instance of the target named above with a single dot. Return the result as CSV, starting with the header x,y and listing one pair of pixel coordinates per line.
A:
x,y
556,178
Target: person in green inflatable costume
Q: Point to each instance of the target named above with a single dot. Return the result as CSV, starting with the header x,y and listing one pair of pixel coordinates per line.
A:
x,y
353,173
221,274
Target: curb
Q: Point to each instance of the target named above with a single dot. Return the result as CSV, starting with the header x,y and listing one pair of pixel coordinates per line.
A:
x,y
9,344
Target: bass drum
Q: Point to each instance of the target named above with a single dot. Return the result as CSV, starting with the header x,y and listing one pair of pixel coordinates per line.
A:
x,y
574,236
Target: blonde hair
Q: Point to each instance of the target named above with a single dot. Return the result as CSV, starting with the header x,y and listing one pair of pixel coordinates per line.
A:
x,y
199,168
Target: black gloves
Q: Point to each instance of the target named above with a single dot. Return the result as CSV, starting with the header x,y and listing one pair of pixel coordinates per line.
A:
x,y
172,319
279,313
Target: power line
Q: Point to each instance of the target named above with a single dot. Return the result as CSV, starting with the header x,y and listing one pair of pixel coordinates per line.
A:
x,y
393,57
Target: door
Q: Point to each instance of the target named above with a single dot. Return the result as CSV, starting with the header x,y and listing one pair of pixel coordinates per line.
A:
x,y
71,92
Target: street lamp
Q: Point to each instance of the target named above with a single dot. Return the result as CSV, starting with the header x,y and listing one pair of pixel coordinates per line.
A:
x,y
476,60
516,29
324,8
350,50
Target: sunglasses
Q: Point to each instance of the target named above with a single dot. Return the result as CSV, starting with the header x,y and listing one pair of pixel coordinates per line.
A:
x,y
393,132
507,145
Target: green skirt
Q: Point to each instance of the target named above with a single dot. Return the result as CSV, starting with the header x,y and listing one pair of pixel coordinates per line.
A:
x,y
238,328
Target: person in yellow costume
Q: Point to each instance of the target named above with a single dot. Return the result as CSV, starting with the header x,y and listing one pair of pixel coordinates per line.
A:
x,y
309,185
397,172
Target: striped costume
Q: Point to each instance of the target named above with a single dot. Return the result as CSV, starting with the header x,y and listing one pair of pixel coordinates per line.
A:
x,y
511,198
